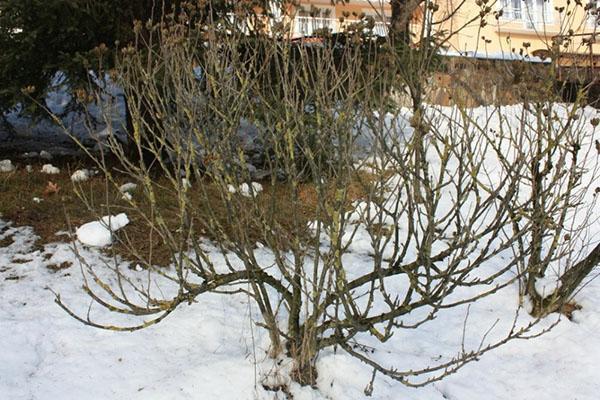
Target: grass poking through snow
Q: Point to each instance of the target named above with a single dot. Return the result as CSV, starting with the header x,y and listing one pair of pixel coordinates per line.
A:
x,y
50,204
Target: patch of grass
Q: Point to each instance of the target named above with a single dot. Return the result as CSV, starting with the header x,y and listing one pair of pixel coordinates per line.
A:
x,y
569,308
7,241
20,260
65,211
59,267
19,188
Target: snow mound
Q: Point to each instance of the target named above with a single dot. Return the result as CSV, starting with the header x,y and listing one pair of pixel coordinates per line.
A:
x,y
30,154
126,190
246,190
80,175
546,285
128,187
45,155
6,166
50,169
250,190
100,233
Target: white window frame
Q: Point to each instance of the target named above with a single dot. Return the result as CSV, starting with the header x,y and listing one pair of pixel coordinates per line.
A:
x,y
382,20
593,14
533,14
305,25
511,10
533,18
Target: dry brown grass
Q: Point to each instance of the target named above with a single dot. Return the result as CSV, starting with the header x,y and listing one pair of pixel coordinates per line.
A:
x,y
569,308
7,241
19,188
65,211
59,267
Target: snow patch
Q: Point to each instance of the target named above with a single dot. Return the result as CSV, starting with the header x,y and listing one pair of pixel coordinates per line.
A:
x,y
30,154
50,169
100,233
546,285
128,187
246,190
81,175
6,166
45,155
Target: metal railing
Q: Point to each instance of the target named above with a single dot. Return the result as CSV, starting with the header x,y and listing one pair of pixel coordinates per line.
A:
x,y
511,13
307,26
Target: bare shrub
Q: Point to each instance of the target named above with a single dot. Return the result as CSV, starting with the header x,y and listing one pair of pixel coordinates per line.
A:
x,y
374,218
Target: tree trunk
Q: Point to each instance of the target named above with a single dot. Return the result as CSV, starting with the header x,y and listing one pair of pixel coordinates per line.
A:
x,y
138,140
570,281
304,351
402,11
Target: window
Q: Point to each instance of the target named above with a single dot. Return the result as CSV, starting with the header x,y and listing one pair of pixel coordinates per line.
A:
x,y
276,10
533,13
593,12
307,22
380,18
511,9
537,13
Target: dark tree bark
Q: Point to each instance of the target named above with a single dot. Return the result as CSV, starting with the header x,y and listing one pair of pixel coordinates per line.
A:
x,y
402,12
570,281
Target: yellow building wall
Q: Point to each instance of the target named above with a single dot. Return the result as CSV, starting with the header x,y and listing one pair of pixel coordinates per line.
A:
x,y
501,35
498,36
353,8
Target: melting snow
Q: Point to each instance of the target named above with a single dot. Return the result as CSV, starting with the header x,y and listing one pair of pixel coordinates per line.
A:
x,y
50,169
128,187
6,166
100,233
246,190
81,175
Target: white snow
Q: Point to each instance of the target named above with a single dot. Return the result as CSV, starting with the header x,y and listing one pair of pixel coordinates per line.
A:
x,y
50,169
214,348
30,154
80,175
547,285
37,200
246,190
45,155
6,166
128,187
100,233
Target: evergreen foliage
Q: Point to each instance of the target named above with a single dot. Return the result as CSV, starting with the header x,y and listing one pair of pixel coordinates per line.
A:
x,y
39,38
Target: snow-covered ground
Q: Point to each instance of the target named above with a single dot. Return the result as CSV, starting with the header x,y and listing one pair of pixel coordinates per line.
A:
x,y
213,349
